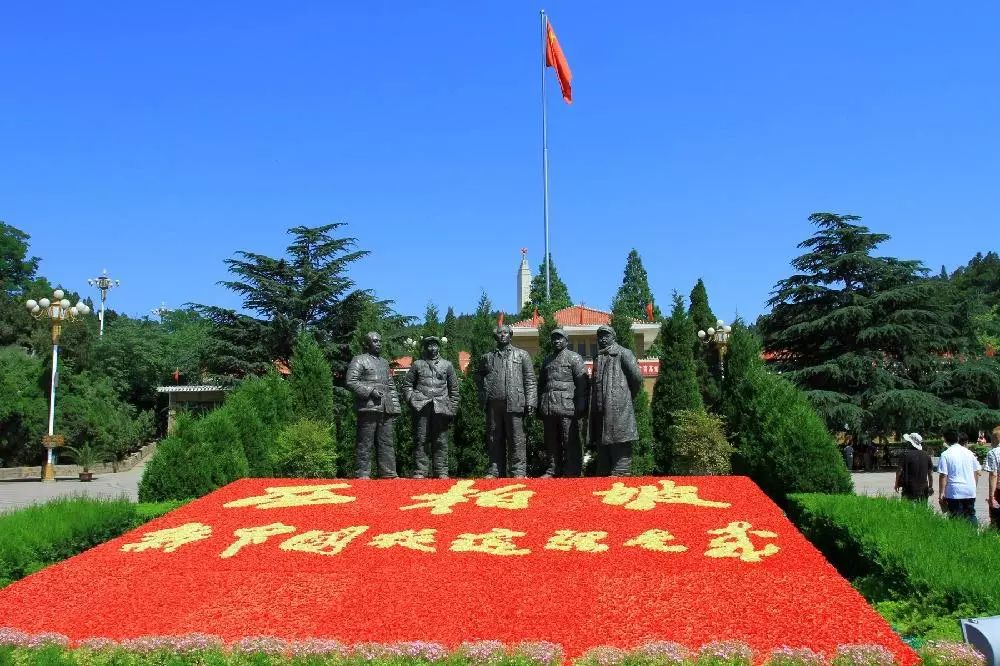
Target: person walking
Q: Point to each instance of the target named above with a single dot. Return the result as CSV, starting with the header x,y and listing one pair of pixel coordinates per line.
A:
x,y
914,477
849,455
992,467
958,473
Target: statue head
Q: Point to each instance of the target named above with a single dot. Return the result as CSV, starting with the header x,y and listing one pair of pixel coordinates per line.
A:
x,y
432,347
605,336
503,334
373,343
559,339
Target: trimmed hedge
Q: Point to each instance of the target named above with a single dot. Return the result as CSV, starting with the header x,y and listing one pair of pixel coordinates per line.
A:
x,y
920,569
37,536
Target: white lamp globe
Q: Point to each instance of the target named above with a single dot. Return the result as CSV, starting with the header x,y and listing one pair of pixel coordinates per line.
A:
x,y
444,340
720,323
701,334
727,328
711,331
73,311
44,302
82,308
58,294
36,309
31,304
64,303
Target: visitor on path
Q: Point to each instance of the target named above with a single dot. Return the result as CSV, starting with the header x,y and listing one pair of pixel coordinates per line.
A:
x,y
914,477
992,467
958,472
849,455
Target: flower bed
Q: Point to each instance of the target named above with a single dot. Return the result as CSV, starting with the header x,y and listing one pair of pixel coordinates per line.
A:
x,y
577,562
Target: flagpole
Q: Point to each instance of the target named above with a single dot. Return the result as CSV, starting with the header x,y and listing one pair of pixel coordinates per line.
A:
x,y
545,162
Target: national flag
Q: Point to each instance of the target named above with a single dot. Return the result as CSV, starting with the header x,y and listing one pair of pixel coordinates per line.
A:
x,y
555,59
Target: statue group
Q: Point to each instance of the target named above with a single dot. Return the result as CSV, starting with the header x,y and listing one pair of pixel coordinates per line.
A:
x,y
509,392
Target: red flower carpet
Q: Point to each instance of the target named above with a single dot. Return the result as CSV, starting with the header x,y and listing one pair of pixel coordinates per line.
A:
x,y
579,562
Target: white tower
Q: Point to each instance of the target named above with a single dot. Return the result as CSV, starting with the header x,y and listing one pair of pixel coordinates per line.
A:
x,y
523,280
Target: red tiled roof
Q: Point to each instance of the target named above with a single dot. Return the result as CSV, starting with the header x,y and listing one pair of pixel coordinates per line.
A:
x,y
575,315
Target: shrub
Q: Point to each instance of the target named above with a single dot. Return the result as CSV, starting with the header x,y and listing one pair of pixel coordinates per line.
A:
x,y
921,570
700,446
311,381
305,450
34,537
217,433
781,442
643,450
180,468
262,407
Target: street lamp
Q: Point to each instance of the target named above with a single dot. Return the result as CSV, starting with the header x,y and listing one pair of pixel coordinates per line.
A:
x,y
160,311
56,311
718,337
104,283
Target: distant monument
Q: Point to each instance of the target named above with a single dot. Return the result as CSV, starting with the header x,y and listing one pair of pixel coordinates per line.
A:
x,y
523,280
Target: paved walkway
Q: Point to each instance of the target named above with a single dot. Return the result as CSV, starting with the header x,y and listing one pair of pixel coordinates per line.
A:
x,y
20,493
24,492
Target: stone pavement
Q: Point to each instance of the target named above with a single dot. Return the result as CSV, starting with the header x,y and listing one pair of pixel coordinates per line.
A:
x,y
17,494
24,492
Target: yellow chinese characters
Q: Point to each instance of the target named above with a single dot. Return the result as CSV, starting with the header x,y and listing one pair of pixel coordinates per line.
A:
x,y
323,543
658,540
422,540
497,541
281,497
246,536
505,497
572,540
734,542
646,497
171,539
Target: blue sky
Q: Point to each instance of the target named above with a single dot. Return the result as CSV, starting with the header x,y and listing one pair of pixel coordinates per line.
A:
x,y
156,139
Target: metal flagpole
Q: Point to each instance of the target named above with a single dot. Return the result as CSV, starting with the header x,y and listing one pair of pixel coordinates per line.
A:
x,y
545,161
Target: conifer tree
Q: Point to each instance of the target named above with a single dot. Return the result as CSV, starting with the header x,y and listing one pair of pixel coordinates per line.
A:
x,y
705,358
643,451
469,434
536,296
311,381
622,322
676,385
431,324
634,293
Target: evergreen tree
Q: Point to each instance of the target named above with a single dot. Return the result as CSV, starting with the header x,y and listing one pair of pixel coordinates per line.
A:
x,y
622,322
643,451
676,385
431,324
536,295
311,381
863,335
781,442
469,434
634,293
705,358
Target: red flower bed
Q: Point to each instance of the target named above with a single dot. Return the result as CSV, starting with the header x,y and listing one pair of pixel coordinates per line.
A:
x,y
579,562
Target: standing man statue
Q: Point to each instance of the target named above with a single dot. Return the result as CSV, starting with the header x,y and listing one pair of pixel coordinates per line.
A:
x,y
616,381
432,390
505,379
562,390
377,404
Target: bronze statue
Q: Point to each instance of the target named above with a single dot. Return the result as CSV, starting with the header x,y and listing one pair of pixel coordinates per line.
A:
x,y
505,379
615,383
562,391
377,404
432,390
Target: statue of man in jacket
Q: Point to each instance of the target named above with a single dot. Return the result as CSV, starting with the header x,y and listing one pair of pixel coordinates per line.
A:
x,y
377,404
505,379
432,390
615,383
562,400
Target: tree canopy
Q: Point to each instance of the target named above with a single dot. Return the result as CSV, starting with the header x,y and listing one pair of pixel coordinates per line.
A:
x,y
536,296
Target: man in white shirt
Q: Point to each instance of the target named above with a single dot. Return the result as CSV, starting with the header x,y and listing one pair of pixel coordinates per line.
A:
x,y
958,473
993,467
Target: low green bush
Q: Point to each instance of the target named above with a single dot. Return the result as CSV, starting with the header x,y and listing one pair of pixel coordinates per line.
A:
x,y
37,536
700,446
921,570
305,450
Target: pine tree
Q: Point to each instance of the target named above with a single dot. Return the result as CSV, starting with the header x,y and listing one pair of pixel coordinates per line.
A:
x,y
431,324
781,442
861,334
622,322
469,434
676,385
311,381
705,358
634,294
536,296
643,451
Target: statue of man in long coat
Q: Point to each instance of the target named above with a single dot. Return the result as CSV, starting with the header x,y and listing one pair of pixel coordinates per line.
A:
x,y
377,405
615,383
562,391
432,390
505,378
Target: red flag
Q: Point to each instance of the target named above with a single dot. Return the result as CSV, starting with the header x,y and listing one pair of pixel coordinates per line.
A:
x,y
649,311
500,320
534,318
555,59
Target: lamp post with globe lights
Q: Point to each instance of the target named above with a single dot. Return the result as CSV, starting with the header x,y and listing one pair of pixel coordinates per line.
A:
x,y
57,310
105,284
718,337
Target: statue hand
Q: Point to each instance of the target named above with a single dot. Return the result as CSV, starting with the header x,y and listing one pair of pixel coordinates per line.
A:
x,y
376,395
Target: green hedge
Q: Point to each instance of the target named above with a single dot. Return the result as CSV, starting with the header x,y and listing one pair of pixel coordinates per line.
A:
x,y
921,570
37,536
